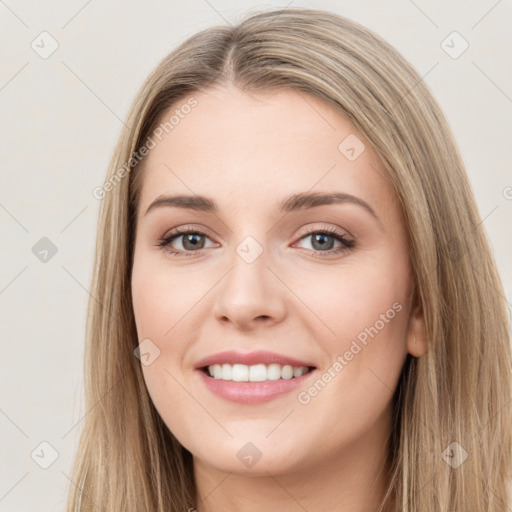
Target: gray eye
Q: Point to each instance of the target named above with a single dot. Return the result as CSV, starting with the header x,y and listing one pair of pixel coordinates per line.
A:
x,y
320,241
192,242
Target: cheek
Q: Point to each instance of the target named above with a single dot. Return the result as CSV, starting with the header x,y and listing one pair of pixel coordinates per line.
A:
x,y
160,297
364,313
158,306
165,305
360,313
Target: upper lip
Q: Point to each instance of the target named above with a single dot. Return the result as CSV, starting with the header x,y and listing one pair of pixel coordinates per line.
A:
x,y
250,358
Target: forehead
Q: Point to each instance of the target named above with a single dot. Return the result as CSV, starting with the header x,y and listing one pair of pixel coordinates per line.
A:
x,y
251,149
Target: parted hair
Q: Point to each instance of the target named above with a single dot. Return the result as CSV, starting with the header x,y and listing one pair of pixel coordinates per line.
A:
x,y
459,391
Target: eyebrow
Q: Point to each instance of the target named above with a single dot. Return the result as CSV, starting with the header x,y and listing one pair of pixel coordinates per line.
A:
x,y
292,203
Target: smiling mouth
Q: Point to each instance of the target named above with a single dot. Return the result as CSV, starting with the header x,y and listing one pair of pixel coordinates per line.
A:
x,y
255,373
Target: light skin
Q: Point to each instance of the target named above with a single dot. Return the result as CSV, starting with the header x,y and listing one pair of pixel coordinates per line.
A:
x,y
248,152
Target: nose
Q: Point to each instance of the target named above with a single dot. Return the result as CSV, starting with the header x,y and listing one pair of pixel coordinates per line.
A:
x,y
250,295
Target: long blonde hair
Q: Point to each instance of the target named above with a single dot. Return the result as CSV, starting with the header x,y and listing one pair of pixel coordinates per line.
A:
x,y
458,392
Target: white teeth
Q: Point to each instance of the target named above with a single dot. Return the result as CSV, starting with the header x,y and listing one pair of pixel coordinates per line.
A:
x,y
240,373
297,372
287,372
255,373
273,371
217,371
226,372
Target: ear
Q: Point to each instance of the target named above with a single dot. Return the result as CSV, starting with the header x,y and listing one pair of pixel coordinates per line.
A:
x,y
416,338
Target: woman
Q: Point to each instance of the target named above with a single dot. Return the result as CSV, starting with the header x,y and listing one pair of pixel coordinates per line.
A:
x,y
295,305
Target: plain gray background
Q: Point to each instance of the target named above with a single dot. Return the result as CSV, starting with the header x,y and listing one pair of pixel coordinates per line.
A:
x,y
60,119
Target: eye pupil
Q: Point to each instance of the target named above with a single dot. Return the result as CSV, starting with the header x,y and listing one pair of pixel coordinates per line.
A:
x,y
320,239
191,238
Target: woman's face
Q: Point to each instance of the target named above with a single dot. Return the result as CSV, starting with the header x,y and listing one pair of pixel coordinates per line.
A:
x,y
274,280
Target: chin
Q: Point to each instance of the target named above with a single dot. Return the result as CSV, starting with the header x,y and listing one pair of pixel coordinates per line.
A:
x,y
274,464
245,457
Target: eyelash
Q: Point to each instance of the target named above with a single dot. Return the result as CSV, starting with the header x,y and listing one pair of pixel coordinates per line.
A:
x,y
166,240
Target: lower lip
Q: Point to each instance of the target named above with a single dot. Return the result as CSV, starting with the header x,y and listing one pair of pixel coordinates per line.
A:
x,y
252,392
